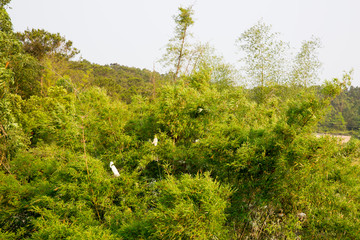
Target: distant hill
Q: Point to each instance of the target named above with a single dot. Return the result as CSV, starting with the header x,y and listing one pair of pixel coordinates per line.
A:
x,y
121,82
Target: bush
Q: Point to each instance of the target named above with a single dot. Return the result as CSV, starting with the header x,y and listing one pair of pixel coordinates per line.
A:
x,y
185,208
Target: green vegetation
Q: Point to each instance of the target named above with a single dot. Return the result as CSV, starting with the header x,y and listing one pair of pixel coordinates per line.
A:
x,y
230,162
344,114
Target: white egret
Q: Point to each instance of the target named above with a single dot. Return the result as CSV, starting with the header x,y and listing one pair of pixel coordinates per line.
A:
x,y
301,216
114,169
155,142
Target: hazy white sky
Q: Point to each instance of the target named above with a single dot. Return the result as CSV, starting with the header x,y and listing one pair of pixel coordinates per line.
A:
x,y
134,33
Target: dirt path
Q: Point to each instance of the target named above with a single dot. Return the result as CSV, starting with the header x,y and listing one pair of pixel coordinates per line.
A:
x,y
343,138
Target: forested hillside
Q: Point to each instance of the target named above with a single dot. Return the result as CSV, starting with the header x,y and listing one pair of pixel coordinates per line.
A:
x,y
344,114
114,152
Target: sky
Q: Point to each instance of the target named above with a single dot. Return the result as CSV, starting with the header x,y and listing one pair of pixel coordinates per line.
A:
x,y
134,33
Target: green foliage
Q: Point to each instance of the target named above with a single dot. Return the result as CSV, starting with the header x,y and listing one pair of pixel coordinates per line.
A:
x,y
40,43
264,55
187,208
307,64
102,122
3,3
26,69
178,50
121,82
5,22
324,189
269,68
12,137
182,111
190,208
55,187
266,174
27,75
51,119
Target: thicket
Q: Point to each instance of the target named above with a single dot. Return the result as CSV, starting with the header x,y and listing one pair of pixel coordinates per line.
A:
x,y
229,162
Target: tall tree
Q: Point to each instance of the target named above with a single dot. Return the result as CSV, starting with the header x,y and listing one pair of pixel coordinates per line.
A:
x,y
25,68
11,137
306,66
51,50
40,43
177,50
205,67
264,55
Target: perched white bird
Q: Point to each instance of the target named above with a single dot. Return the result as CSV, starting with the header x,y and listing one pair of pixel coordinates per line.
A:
x,y
155,142
114,169
301,216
